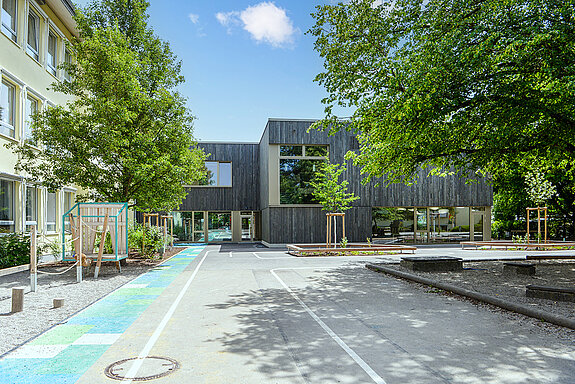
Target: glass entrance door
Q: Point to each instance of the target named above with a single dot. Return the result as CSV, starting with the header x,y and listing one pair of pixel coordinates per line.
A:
x,y
247,227
199,224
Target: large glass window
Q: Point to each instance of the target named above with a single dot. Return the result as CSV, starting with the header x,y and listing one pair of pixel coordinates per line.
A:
x,y
7,108
9,18
295,176
298,165
219,226
219,174
31,109
33,35
31,207
6,206
52,59
51,206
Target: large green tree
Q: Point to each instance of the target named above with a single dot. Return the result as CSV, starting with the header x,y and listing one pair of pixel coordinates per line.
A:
x,y
451,84
126,134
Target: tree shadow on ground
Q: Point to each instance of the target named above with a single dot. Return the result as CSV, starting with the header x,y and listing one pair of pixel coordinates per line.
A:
x,y
407,334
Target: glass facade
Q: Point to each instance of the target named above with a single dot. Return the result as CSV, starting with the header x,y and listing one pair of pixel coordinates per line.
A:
x,y
432,224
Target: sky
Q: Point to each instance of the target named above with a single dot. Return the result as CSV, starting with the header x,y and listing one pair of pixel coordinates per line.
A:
x,y
243,61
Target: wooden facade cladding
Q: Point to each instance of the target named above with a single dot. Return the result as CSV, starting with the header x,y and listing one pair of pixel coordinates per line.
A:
x,y
451,191
254,180
243,195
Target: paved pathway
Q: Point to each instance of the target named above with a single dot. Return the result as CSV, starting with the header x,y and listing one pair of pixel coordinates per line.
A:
x,y
261,316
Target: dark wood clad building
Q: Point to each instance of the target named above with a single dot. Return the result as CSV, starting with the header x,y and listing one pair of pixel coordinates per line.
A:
x,y
259,191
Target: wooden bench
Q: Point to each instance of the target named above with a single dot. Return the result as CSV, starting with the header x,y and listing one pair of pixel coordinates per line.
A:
x,y
550,293
432,264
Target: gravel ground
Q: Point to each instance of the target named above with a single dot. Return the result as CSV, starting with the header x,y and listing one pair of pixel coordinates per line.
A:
x,y
487,277
38,315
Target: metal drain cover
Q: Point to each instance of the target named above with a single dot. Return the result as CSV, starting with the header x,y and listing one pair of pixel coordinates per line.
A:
x,y
153,367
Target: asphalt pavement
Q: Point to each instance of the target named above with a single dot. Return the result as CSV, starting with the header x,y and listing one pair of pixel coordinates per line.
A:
x,y
252,315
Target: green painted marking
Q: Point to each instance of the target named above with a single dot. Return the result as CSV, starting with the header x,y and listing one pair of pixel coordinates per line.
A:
x,y
76,359
138,291
63,334
139,302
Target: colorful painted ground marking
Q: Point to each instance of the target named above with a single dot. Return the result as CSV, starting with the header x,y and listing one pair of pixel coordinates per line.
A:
x,y
64,353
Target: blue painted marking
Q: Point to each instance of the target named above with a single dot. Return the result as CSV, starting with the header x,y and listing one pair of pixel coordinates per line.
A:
x,y
113,315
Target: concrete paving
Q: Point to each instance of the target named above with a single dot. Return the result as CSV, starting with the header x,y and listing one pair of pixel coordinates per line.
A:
x,y
250,315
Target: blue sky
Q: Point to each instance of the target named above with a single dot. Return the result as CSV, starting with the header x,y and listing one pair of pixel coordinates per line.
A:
x,y
243,61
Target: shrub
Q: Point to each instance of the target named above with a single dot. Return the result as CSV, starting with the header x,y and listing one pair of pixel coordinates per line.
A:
x,y
152,238
14,250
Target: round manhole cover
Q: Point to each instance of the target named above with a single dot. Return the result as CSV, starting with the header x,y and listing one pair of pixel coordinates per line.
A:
x,y
153,367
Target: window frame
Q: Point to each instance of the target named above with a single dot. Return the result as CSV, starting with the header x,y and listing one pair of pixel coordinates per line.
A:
x,y
218,178
12,34
27,129
4,125
53,223
35,54
11,222
303,156
52,68
34,208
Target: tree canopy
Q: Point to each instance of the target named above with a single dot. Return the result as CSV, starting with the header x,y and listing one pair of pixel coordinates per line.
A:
x,y
126,133
450,84
329,191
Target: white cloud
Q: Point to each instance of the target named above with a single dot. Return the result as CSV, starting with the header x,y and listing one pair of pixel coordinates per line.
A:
x,y
266,23
194,18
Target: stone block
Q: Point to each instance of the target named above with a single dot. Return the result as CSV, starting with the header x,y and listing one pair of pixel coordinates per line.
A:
x,y
432,264
519,269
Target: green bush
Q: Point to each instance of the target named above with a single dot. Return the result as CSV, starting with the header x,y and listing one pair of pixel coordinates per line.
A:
x,y
151,236
14,250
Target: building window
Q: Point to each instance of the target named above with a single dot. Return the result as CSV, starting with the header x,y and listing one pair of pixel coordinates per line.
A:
x,y
52,58
7,108
219,174
9,18
68,61
33,37
31,109
51,212
31,207
6,206
298,164
68,202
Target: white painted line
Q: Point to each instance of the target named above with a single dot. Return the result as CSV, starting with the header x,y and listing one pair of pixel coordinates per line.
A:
x,y
374,376
160,328
270,258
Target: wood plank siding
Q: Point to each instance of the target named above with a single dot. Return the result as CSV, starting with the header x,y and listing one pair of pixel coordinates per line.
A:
x,y
244,195
288,224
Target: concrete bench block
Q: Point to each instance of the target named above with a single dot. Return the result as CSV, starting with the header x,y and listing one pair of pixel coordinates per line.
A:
x,y
551,293
519,269
432,264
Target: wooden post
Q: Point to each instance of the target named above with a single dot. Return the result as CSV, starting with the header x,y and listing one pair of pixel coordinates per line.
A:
x,y
102,242
528,214
343,224
165,235
172,230
33,259
17,300
327,231
538,224
545,225
58,303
